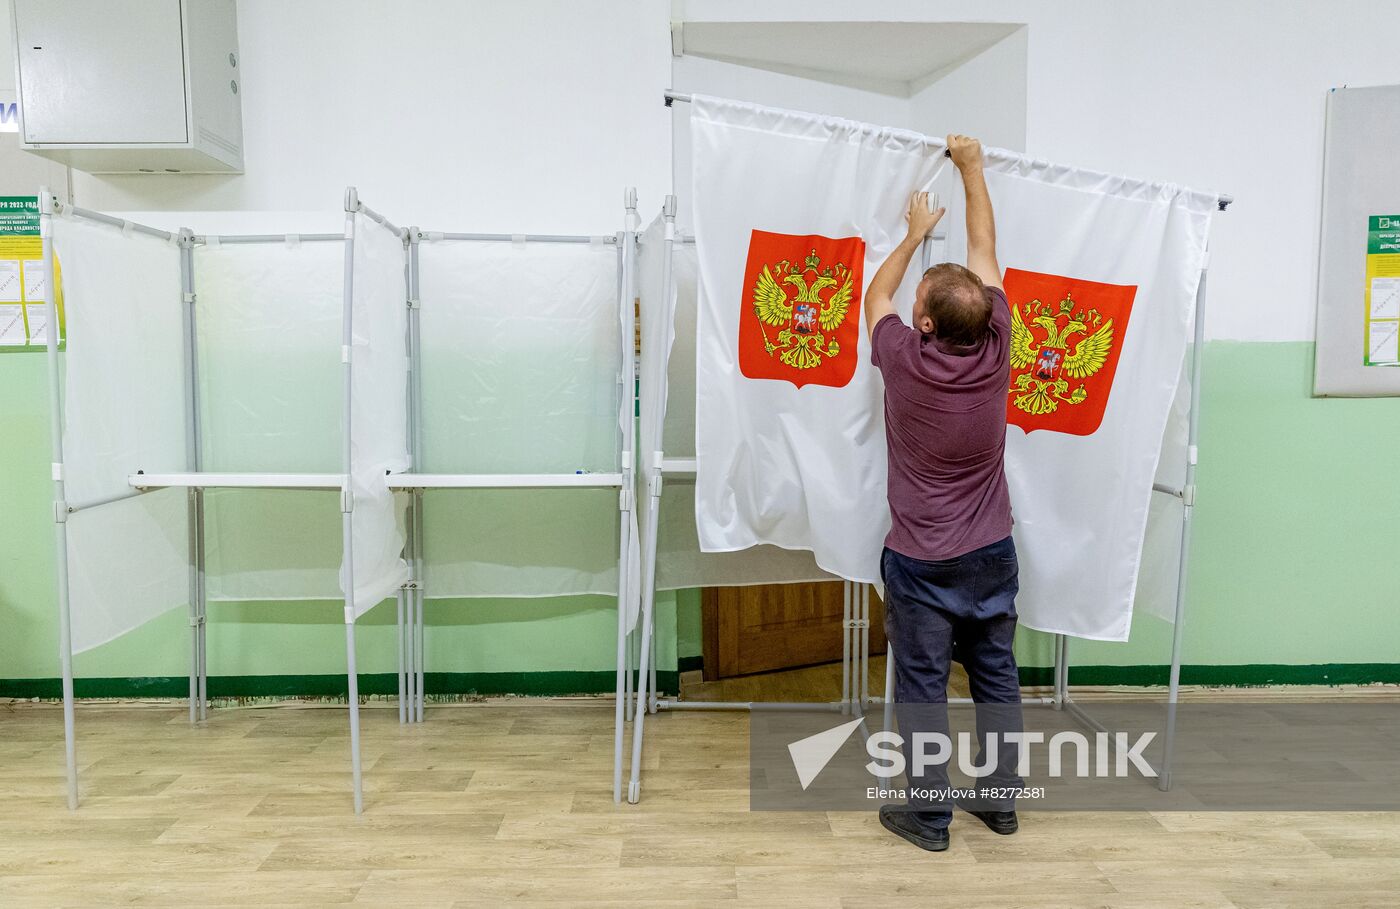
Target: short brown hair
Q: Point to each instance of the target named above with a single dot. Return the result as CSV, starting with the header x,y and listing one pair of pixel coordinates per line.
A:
x,y
958,303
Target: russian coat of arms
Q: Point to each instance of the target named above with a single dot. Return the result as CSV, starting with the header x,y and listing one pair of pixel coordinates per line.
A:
x,y
801,308
1066,336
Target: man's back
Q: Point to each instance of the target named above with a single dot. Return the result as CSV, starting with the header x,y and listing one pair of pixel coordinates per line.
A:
x,y
949,563
945,422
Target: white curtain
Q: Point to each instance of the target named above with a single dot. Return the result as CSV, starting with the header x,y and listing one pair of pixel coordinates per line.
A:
x,y
797,467
1161,543
521,346
680,562
124,411
1081,502
269,319
805,467
124,406
379,414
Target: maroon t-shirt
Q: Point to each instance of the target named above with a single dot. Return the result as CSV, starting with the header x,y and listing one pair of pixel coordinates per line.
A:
x,y
945,424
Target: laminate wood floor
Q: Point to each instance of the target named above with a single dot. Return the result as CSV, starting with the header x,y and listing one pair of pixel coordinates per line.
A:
x,y
510,801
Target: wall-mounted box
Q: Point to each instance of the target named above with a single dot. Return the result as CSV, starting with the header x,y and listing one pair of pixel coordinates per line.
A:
x,y
130,86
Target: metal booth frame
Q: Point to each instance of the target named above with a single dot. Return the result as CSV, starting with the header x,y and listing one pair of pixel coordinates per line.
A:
x,y
411,626
195,480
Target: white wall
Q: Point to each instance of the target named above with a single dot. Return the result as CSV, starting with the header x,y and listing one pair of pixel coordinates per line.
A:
x,y
984,97
534,114
452,115
729,80
1224,96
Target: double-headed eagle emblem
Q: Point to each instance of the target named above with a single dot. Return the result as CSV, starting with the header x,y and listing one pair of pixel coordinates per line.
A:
x,y
805,320
1043,387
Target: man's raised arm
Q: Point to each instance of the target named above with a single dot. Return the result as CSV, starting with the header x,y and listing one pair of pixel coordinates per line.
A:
x,y
981,229
879,296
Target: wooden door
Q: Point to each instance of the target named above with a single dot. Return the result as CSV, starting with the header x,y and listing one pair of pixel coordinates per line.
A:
x,y
777,626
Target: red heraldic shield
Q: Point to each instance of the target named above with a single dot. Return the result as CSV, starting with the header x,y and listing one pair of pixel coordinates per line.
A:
x,y
799,319
1066,335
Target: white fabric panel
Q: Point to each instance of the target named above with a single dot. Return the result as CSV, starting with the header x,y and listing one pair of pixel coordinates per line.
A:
x,y
1081,503
801,468
124,388
379,413
520,542
124,410
1161,543
272,544
679,560
269,356
269,320
128,562
629,584
520,375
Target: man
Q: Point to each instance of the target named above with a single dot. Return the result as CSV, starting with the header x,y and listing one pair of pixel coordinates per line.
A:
x,y
949,563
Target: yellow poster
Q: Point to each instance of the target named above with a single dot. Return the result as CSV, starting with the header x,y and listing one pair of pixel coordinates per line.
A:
x,y
1383,291
24,290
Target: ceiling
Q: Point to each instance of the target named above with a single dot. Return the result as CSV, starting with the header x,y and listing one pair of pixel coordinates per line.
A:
x,y
893,58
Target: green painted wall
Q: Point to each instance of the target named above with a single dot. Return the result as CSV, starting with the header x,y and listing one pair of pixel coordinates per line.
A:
x,y
1296,559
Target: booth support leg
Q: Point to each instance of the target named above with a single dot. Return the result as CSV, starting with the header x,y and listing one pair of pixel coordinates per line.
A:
x,y
60,502
887,723
1188,499
399,616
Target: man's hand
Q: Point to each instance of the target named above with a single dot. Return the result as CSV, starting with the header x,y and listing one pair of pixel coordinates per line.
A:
x,y
921,221
966,152
879,296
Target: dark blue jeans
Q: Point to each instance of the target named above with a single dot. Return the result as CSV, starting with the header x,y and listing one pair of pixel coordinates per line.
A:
x,y
960,609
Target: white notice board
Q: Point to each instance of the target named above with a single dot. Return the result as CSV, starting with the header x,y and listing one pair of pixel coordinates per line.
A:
x,y
1358,283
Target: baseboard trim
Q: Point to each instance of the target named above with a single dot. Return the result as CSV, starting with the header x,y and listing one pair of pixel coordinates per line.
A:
x,y
1234,676
536,684
558,683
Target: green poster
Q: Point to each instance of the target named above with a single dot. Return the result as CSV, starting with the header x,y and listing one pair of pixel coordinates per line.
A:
x,y
1382,291
24,290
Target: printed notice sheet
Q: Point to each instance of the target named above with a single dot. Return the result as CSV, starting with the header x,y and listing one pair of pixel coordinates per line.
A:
x,y
1382,325
24,291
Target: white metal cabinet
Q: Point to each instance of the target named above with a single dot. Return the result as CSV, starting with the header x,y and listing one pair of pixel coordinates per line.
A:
x,y
120,86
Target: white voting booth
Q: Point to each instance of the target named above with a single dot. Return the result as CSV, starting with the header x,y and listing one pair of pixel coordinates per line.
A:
x,y
460,404
222,398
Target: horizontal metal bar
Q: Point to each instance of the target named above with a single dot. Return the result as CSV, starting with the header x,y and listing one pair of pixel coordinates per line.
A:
x,y
679,466
1169,490
690,238
74,508
1222,200
113,220
503,480
814,707
677,704
377,218
1041,699
265,238
202,480
1074,710
433,236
